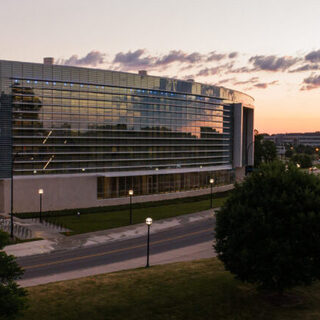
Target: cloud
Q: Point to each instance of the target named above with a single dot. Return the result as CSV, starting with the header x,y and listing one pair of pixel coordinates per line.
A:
x,y
187,67
93,58
306,67
313,56
272,63
179,56
262,85
133,60
214,56
225,81
249,81
233,55
206,72
312,82
265,85
240,70
142,59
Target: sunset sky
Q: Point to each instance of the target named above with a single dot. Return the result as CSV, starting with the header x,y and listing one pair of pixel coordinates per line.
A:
x,y
268,49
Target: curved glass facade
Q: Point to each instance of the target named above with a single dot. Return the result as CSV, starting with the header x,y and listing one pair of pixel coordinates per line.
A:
x,y
85,127
68,120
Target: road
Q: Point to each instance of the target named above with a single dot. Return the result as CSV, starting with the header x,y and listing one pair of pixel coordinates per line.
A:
x,y
121,251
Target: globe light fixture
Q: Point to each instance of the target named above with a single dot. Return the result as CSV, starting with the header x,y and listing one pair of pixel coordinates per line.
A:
x,y
148,223
130,195
211,186
40,191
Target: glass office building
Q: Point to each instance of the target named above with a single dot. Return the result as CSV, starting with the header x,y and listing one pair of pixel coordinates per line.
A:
x,y
123,131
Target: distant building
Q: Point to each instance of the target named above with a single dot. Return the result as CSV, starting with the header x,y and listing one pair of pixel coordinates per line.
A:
x,y
307,139
87,136
281,151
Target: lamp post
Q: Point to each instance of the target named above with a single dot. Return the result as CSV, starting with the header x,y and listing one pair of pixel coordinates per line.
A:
x,y
211,184
130,195
11,210
148,223
40,212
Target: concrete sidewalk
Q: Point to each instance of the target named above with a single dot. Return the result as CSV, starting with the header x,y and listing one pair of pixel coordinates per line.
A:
x,y
56,241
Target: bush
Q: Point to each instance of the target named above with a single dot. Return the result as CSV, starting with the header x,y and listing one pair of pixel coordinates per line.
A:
x,y
268,231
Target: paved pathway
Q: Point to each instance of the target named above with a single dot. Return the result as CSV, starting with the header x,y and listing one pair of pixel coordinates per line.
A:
x,y
54,241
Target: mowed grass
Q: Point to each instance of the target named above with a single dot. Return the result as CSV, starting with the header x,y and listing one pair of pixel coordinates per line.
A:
x,y
189,290
106,220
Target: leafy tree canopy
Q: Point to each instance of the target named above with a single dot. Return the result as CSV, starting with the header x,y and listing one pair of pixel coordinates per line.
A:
x,y
264,150
12,297
304,160
304,149
268,231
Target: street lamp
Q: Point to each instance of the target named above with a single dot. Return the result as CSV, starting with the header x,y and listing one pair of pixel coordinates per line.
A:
x,y
148,223
211,184
11,210
40,191
130,195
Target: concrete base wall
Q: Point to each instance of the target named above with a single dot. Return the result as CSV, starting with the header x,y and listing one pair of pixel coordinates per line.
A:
x,y
71,192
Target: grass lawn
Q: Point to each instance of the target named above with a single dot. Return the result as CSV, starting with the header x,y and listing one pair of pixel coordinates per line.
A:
x,y
105,220
189,290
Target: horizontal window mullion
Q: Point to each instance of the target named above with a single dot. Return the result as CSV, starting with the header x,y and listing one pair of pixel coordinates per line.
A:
x,y
124,167
90,122
115,160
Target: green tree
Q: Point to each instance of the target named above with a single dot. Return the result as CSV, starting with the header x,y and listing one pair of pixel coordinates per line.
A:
x,y
269,151
288,153
304,149
304,160
12,297
258,149
268,231
264,150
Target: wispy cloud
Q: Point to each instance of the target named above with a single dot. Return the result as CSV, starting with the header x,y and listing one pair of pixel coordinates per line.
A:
x,y
312,82
313,56
142,59
214,56
133,60
249,81
263,85
306,67
206,72
93,58
233,55
272,63
214,65
223,81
